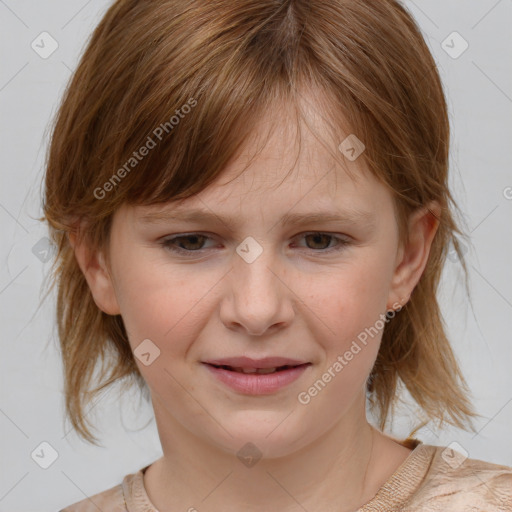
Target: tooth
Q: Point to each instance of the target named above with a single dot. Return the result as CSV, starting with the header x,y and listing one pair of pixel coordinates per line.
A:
x,y
243,370
266,370
254,370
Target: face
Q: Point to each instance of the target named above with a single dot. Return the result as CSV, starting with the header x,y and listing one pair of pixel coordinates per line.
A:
x,y
245,283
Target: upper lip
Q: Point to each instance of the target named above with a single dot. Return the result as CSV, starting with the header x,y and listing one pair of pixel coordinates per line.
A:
x,y
247,362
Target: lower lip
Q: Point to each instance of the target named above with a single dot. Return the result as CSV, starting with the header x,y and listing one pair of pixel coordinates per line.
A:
x,y
258,384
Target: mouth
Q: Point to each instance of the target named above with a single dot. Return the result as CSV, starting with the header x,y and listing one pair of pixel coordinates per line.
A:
x,y
257,371
257,377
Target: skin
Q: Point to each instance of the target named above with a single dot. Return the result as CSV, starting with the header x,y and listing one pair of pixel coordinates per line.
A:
x,y
294,300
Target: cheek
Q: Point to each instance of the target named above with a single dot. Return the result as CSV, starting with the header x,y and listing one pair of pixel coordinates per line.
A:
x,y
349,298
162,304
348,306
168,311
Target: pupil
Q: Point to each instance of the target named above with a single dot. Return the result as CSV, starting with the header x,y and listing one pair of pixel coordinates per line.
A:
x,y
318,236
194,239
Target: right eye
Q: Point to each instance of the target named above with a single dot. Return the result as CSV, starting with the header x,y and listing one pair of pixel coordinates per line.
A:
x,y
194,241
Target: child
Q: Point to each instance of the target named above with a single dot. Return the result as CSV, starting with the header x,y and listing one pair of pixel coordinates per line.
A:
x,y
251,210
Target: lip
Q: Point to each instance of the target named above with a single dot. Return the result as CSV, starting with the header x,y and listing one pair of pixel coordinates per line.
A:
x,y
248,362
258,384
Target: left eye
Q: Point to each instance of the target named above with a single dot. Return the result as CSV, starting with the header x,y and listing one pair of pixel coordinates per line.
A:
x,y
193,242
317,239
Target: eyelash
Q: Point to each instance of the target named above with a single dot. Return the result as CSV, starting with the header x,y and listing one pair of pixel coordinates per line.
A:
x,y
167,243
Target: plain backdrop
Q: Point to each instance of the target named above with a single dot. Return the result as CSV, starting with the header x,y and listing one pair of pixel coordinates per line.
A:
x,y
478,83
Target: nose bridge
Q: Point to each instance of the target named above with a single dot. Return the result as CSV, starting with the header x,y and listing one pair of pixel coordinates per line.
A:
x,y
256,289
253,264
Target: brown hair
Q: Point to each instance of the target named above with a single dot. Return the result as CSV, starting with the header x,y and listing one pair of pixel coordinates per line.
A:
x,y
231,62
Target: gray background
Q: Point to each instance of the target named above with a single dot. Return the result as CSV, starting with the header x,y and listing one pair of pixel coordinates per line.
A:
x,y
479,89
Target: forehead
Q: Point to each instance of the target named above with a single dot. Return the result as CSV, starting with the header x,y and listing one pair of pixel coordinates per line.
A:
x,y
299,135
290,164
293,155
262,195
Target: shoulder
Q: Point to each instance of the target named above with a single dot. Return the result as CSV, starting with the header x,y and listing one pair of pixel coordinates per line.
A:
x,y
111,500
454,481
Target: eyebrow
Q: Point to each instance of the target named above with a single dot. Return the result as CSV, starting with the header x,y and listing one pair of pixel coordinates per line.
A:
x,y
204,216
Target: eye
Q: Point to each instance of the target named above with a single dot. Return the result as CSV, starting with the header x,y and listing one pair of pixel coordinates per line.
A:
x,y
194,242
321,239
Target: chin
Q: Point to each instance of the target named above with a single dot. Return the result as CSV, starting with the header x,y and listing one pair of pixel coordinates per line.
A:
x,y
263,439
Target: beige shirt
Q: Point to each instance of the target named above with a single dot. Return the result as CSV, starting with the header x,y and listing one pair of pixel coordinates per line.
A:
x,y
432,478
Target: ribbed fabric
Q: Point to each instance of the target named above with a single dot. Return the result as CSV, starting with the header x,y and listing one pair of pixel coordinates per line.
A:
x,y
135,494
403,482
431,479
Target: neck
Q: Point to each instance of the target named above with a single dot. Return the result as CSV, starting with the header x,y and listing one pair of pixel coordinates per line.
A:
x,y
333,472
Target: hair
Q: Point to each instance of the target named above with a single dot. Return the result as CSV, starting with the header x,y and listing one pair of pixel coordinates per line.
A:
x,y
204,73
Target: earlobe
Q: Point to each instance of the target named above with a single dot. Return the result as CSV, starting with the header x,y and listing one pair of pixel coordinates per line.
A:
x,y
92,265
413,258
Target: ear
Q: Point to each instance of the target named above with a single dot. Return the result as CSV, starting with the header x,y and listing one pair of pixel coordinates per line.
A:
x,y
96,274
412,258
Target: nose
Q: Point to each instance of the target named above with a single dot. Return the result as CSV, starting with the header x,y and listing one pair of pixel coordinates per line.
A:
x,y
258,298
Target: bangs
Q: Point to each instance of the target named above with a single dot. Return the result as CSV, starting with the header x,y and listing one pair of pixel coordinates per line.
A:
x,y
159,130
